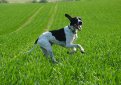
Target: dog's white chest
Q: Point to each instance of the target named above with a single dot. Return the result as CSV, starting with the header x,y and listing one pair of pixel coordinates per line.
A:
x,y
70,36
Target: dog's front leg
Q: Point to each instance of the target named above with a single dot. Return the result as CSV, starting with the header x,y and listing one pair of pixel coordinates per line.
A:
x,y
75,46
81,48
72,51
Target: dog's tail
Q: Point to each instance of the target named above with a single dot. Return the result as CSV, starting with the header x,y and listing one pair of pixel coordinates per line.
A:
x,y
36,41
34,46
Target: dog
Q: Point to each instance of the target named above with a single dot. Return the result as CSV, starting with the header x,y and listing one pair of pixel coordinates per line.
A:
x,y
63,37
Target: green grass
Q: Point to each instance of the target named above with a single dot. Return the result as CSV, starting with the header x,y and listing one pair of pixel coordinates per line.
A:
x,y
21,24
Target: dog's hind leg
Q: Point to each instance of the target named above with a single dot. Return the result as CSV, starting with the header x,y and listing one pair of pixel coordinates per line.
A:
x,y
52,56
49,50
44,52
46,48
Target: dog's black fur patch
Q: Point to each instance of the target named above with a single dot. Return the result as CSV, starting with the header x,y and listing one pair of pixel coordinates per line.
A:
x,y
59,34
74,21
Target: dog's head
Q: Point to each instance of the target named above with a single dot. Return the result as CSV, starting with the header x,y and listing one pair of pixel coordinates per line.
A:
x,y
76,22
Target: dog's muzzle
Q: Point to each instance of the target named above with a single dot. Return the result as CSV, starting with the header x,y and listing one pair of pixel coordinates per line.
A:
x,y
78,25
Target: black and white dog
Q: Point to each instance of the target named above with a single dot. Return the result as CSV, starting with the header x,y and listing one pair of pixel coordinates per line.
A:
x,y
63,37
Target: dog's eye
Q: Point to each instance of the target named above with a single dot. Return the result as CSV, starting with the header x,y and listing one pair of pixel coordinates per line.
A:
x,y
79,18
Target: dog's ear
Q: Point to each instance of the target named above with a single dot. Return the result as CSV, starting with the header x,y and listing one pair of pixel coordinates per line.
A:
x,y
68,16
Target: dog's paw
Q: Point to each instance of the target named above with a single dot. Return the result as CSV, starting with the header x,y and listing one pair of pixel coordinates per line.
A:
x,y
67,52
82,50
54,62
70,53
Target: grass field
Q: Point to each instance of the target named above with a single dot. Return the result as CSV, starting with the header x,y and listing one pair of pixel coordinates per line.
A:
x,y
21,24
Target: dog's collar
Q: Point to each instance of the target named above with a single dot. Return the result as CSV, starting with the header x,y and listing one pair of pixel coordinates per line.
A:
x,y
73,31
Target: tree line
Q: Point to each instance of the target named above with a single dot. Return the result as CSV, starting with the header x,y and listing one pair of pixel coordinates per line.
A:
x,y
33,1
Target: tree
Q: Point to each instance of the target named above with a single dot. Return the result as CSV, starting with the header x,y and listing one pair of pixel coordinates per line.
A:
x,y
34,1
3,1
43,1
